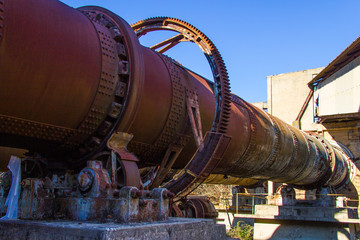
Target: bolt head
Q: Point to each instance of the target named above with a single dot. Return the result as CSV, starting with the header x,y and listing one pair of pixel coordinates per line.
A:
x,y
85,180
135,193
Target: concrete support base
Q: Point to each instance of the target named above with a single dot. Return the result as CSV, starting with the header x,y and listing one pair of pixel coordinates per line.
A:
x,y
174,228
284,229
294,222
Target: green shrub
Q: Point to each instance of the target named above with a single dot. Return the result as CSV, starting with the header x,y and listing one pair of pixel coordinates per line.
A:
x,y
241,231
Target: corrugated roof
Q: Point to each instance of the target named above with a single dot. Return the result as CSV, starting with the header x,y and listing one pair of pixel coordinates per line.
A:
x,y
349,54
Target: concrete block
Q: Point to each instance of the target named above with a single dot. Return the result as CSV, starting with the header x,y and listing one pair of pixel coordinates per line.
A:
x,y
301,230
174,229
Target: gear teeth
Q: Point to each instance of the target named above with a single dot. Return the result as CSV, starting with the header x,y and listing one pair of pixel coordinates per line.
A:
x,y
223,80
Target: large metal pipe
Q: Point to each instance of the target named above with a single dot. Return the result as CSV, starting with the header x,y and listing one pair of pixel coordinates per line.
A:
x,y
69,80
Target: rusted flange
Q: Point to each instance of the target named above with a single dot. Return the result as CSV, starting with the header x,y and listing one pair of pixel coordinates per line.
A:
x,y
128,87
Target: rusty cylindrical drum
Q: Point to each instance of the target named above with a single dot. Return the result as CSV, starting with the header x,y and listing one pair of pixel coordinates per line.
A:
x,y
69,78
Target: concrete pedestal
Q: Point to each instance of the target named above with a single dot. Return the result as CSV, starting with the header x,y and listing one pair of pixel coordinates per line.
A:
x,y
174,228
294,222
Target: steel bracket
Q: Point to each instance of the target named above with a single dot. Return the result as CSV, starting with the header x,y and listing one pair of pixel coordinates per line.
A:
x,y
201,165
123,163
192,105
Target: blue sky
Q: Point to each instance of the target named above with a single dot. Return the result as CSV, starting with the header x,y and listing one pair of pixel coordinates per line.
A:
x,y
256,38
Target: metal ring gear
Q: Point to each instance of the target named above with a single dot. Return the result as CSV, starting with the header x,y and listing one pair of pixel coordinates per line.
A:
x,y
192,34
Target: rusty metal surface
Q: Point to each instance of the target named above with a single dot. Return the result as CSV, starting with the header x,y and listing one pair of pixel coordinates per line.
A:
x,y
124,164
104,82
201,165
80,87
282,153
106,87
1,19
89,196
172,153
228,180
195,207
166,120
79,97
125,208
190,33
128,64
5,184
94,180
67,83
131,67
192,105
33,129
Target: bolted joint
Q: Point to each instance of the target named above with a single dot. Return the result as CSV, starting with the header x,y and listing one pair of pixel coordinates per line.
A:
x,y
135,193
148,195
167,194
25,183
143,203
85,180
5,180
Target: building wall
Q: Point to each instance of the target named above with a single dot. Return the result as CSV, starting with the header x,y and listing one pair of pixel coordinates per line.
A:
x,y
288,92
286,95
339,93
261,105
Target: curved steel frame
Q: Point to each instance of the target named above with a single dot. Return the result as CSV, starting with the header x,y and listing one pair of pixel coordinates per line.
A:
x,y
187,32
